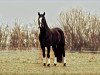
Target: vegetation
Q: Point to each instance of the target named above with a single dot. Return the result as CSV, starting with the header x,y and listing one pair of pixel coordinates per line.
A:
x,y
30,63
82,32
19,37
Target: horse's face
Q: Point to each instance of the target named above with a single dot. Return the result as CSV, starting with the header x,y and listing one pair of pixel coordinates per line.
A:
x,y
41,20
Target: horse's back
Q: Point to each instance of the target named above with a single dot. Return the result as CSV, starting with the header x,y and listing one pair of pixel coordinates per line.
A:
x,y
56,29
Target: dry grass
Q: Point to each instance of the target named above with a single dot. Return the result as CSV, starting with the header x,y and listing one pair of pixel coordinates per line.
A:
x,y
30,63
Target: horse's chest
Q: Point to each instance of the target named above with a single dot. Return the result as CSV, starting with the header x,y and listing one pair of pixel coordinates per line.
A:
x,y
45,40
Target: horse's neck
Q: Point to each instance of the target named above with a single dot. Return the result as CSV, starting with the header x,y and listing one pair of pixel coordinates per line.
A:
x,y
46,25
44,32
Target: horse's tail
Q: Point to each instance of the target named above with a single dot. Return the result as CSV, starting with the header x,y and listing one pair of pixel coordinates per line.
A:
x,y
60,46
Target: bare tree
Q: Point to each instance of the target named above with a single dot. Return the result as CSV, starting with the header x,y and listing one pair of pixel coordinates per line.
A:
x,y
82,30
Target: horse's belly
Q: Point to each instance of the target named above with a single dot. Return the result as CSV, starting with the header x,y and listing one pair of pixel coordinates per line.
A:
x,y
55,42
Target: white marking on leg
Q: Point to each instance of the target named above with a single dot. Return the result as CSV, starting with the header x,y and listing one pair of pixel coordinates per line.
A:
x,y
48,60
64,59
44,60
55,60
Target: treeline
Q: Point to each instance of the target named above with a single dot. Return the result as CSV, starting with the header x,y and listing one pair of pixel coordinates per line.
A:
x,y
20,37
82,32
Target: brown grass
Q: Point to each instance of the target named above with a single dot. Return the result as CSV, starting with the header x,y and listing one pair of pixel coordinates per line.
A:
x,y
30,63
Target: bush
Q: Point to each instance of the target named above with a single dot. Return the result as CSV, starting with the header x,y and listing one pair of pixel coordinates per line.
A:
x,y
82,30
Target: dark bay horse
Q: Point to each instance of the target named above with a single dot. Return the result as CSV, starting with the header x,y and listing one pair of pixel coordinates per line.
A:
x,y
51,37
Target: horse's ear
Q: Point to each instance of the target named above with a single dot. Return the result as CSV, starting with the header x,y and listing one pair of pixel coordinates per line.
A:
x,y
44,14
39,13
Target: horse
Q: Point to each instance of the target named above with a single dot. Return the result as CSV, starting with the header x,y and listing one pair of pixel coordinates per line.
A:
x,y
51,37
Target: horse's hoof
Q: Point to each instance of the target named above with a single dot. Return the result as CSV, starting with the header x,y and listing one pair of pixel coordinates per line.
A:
x,y
44,64
48,65
55,64
64,64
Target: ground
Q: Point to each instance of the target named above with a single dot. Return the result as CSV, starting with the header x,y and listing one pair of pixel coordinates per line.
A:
x,y
30,63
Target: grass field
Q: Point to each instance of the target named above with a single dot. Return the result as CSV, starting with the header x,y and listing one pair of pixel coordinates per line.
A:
x,y
30,63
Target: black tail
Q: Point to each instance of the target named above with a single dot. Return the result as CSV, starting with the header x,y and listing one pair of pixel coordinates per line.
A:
x,y
60,46
59,53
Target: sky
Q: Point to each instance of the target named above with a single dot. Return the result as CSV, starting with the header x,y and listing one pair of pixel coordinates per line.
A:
x,y
26,11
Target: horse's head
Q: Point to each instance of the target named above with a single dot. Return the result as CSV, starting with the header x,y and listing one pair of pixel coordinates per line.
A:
x,y
41,20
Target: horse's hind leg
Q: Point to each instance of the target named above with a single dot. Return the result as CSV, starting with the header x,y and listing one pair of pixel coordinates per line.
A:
x,y
48,55
63,53
44,59
55,59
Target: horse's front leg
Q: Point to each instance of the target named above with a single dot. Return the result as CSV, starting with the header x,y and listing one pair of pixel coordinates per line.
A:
x,y
48,55
44,58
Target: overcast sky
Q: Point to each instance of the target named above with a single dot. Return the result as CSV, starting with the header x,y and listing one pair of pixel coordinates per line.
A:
x,y
26,10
